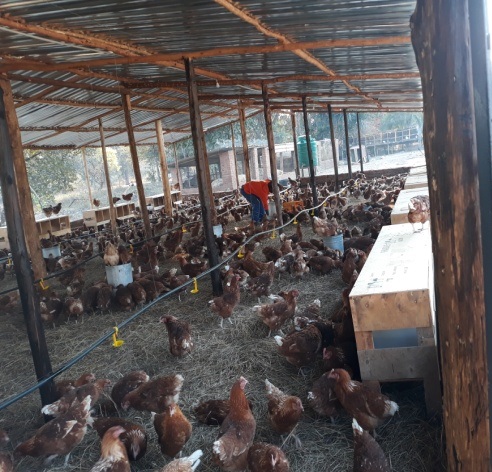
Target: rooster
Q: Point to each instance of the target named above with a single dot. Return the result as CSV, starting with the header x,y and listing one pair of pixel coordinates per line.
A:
x,y
370,409
230,451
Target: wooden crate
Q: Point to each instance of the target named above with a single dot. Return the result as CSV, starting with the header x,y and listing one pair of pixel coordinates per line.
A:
x,y
392,306
156,202
100,216
416,181
400,210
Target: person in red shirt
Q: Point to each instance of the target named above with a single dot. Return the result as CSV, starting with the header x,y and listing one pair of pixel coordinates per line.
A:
x,y
256,192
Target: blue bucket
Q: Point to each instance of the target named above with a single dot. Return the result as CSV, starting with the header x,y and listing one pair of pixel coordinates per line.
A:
x,y
334,242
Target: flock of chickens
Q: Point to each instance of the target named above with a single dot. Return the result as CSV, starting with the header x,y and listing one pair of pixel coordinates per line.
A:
x,y
309,334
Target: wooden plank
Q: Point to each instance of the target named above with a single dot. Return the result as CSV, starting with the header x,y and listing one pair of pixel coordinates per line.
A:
x,y
406,363
209,215
399,215
393,289
416,181
271,152
112,211
347,143
312,174
441,40
136,165
164,170
364,340
14,215
333,147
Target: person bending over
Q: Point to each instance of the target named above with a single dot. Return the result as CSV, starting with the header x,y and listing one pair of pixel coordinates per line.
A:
x,y
256,192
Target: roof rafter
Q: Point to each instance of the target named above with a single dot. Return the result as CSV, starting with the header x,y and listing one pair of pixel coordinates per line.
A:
x,y
247,16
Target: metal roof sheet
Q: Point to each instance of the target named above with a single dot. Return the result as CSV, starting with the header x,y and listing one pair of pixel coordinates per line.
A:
x,y
110,29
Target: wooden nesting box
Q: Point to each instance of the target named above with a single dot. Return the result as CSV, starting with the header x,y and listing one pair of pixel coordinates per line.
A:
x,y
158,201
392,306
58,225
416,181
400,210
100,216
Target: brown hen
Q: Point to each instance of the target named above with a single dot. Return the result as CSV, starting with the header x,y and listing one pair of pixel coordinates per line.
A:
x,y
179,334
263,457
173,430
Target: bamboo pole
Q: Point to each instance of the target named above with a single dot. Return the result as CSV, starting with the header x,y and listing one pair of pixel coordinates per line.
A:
x,y
168,204
333,147
347,144
209,215
271,152
294,138
136,165
112,209
14,215
360,145
176,165
312,176
87,177
30,229
244,138
233,142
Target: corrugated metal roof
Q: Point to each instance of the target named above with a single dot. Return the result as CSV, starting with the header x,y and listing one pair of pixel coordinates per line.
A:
x,y
64,106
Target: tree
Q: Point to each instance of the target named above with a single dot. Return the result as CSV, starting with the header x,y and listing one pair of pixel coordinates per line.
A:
x,y
50,173
95,166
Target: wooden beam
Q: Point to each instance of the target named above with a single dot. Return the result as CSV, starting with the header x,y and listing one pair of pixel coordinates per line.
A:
x,y
244,139
360,145
136,165
312,173
168,204
92,41
87,177
299,48
294,139
209,215
112,211
347,144
441,40
233,143
14,214
272,155
285,78
22,181
333,147
176,165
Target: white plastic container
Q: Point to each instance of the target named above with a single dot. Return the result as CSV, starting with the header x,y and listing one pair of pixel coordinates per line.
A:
x,y
272,210
119,274
53,251
334,242
217,230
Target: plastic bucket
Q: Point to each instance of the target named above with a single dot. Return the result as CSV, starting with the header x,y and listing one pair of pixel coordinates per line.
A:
x,y
51,251
217,230
119,274
334,242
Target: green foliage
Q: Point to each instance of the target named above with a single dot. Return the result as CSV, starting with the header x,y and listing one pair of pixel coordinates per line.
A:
x,y
50,173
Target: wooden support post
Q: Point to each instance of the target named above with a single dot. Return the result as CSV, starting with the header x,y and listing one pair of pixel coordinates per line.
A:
x,y
347,143
482,72
271,151
360,145
29,222
209,215
87,177
333,147
168,204
18,247
244,138
112,210
441,40
312,176
294,138
136,165
176,166
233,142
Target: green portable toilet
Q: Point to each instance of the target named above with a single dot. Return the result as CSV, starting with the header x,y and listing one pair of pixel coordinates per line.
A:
x,y
302,152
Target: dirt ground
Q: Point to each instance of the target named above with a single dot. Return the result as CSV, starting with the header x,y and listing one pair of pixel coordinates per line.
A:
x,y
411,440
